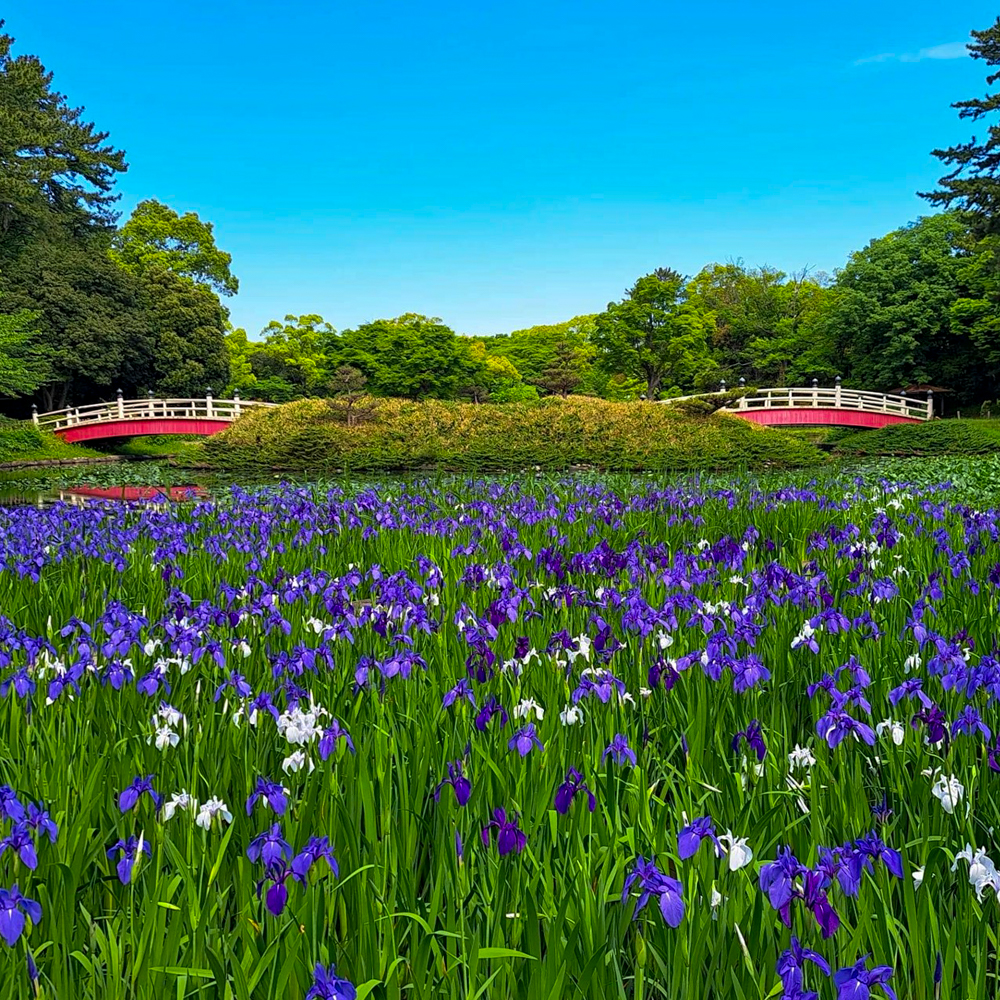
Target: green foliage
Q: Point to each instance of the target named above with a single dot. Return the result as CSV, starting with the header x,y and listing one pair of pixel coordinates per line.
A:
x,y
938,437
703,406
156,238
21,441
56,170
974,184
410,357
656,334
533,351
23,364
553,434
190,355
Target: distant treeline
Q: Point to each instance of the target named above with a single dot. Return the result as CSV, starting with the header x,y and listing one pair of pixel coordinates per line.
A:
x,y
88,306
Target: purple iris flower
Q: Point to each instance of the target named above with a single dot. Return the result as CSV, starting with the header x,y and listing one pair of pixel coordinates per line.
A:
x,y
912,688
19,841
777,878
316,848
652,882
791,966
836,725
150,683
754,735
935,721
873,846
10,805
814,896
490,708
509,835
127,849
239,685
21,681
328,986
566,792
458,781
271,794
129,798
463,689
269,847
855,982
40,821
328,741
691,836
277,894
524,740
970,722
619,750
13,909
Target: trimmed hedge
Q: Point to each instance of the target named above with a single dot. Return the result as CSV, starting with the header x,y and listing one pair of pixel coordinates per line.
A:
x,y
553,433
939,437
21,441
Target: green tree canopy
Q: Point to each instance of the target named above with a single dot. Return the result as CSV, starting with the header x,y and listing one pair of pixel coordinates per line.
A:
x,y
156,238
56,170
656,334
23,363
533,351
893,316
412,356
973,186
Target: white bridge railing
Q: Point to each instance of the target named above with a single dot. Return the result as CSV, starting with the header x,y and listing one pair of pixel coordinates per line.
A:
x,y
829,398
151,408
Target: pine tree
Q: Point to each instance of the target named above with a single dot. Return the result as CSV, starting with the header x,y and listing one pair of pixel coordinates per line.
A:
x,y
973,186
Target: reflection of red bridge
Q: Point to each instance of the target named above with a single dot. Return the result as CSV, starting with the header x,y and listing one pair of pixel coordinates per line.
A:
x,y
134,492
134,417
837,407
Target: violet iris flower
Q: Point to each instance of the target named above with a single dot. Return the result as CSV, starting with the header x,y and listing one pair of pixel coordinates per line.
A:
x,y
652,882
239,685
269,847
128,851
490,708
509,835
10,805
463,689
777,878
20,842
129,797
754,735
40,821
566,792
328,986
969,722
271,794
691,836
524,740
13,909
790,968
855,982
315,849
836,725
620,751
935,721
328,741
458,781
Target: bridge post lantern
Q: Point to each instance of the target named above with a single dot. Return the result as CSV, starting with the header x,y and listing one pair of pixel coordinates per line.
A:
x,y
836,393
121,405
34,414
742,405
930,404
723,384
152,409
815,393
208,402
236,402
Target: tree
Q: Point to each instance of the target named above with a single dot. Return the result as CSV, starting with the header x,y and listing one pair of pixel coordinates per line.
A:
x,y
156,238
900,312
488,377
56,170
412,356
655,334
533,351
565,372
974,184
349,397
190,354
94,320
23,364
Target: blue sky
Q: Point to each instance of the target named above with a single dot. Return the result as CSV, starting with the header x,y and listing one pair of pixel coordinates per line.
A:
x,y
506,164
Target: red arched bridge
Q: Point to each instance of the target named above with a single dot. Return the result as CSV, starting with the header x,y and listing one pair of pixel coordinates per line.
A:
x,y
827,406
134,417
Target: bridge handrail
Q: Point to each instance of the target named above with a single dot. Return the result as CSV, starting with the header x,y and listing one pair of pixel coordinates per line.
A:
x,y
826,397
201,408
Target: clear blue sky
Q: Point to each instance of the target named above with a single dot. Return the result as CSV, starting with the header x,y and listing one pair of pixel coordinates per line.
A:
x,y
506,164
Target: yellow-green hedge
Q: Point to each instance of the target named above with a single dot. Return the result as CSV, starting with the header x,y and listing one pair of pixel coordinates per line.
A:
x,y
552,434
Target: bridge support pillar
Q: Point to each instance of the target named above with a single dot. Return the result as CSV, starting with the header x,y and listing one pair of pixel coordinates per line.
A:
x,y
121,406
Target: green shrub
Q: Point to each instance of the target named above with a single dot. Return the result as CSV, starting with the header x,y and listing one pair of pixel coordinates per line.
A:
x,y
552,433
939,437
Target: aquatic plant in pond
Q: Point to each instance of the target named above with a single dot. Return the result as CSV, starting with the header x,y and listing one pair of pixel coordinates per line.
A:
x,y
450,740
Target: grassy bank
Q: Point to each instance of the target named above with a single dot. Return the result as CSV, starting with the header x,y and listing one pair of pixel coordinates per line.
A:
x,y
21,441
940,437
553,434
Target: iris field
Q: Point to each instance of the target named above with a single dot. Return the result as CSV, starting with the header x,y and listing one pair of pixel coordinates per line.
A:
x,y
488,740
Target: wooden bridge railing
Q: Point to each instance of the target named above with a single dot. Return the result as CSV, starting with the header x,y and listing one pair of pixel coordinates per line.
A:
x,y
831,398
151,408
